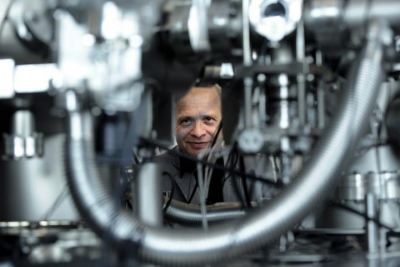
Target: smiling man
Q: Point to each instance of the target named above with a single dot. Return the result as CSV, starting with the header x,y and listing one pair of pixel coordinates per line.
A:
x,y
198,115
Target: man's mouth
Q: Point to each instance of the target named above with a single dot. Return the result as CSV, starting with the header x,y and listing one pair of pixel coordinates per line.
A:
x,y
198,145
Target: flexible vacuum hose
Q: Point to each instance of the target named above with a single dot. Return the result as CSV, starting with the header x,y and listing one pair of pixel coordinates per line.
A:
x,y
184,247
190,215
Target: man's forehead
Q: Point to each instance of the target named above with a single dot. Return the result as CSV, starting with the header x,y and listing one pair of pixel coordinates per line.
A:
x,y
194,92
193,113
199,102
199,97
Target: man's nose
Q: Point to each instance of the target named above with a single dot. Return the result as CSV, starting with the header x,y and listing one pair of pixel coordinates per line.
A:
x,y
198,130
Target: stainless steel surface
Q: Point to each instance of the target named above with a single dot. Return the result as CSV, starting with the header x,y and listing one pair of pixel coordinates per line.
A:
x,y
246,33
23,141
7,70
33,186
309,97
192,247
357,12
356,186
248,102
10,41
326,20
36,78
222,28
321,106
148,202
275,19
335,220
198,26
371,206
23,123
251,141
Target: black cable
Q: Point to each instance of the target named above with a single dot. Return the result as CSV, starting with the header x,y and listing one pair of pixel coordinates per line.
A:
x,y
216,135
345,207
172,191
278,170
57,202
232,154
236,189
135,158
129,204
156,143
245,189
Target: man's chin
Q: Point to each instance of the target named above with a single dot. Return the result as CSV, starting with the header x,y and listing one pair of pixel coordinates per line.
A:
x,y
197,152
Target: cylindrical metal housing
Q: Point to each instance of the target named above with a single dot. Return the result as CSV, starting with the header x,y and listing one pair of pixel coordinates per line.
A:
x,y
330,21
223,25
147,194
354,187
23,140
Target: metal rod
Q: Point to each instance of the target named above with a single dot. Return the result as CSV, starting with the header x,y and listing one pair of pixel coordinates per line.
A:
x,y
372,228
301,98
248,88
246,33
321,105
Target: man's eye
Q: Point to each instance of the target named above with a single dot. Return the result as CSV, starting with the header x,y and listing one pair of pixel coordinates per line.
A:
x,y
209,119
185,122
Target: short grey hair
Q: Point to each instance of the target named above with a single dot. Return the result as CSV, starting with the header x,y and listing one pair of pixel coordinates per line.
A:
x,y
199,83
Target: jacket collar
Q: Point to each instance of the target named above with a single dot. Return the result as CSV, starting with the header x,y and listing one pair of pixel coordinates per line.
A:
x,y
185,180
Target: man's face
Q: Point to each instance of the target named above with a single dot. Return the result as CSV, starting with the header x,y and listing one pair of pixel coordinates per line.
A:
x,y
198,115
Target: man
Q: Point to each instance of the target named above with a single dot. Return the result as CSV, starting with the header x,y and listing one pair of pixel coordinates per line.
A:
x,y
197,116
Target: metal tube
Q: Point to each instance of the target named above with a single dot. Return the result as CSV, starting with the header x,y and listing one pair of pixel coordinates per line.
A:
x,y
321,105
357,12
191,247
188,214
23,123
372,228
148,200
248,104
320,16
246,33
301,98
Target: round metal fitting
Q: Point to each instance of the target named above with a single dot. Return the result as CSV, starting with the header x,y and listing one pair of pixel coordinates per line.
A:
x,y
23,141
251,141
17,146
274,19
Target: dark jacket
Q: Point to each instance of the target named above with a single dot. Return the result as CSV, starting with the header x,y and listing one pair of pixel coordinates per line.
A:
x,y
185,184
184,175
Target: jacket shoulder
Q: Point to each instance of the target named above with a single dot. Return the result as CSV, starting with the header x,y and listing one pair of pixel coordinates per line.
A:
x,y
167,162
165,157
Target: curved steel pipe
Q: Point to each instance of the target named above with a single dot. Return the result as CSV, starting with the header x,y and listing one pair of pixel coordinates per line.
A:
x,y
185,247
187,214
